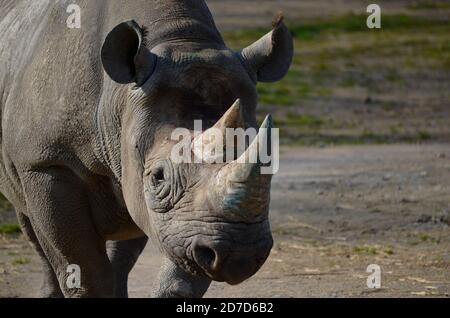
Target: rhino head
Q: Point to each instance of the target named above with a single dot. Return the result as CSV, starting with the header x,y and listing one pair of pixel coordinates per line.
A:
x,y
210,219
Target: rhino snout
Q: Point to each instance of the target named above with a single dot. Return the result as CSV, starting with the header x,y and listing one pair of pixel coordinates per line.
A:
x,y
224,263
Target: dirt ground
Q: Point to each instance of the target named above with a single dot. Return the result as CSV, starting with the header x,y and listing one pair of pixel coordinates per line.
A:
x,y
334,211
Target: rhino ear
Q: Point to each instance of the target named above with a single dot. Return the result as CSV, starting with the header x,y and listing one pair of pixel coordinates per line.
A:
x,y
271,56
125,57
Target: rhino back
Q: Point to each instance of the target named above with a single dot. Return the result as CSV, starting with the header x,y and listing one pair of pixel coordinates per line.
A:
x,y
51,81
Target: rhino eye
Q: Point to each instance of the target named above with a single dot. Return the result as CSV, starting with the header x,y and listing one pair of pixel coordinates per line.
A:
x,y
158,176
160,173
164,186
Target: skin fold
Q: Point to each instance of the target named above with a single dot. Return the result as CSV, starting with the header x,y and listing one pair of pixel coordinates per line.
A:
x,y
87,116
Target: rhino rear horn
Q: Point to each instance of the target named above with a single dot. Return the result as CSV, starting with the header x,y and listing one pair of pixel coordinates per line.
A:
x,y
125,57
206,143
271,56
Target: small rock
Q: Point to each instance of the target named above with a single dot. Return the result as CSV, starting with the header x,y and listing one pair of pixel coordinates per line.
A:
x,y
408,200
424,218
444,217
387,177
423,174
370,231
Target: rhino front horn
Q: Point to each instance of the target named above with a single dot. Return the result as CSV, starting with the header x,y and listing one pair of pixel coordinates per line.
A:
x,y
240,184
251,160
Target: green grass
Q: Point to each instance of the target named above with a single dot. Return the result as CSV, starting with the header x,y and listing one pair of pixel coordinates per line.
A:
x,y
425,237
365,249
356,23
305,120
332,53
9,228
388,251
349,23
340,54
429,5
373,250
423,135
21,261
276,94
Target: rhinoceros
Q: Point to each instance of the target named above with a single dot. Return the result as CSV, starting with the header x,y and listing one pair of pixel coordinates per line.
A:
x,y
87,115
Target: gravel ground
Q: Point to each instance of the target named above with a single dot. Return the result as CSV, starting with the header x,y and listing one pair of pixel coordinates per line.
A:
x,y
335,210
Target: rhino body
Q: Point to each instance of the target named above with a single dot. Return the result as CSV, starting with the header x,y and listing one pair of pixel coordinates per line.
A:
x,y
82,148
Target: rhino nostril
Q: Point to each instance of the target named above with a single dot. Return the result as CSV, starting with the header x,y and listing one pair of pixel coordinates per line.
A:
x,y
206,257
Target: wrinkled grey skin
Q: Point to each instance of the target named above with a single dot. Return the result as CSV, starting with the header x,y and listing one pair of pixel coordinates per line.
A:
x,y
86,121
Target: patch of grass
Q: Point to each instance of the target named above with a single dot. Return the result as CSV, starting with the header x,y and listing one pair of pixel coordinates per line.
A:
x,y
429,5
311,29
438,52
337,57
394,130
368,134
317,65
276,94
388,251
423,135
9,228
392,75
292,89
425,237
20,261
357,23
365,249
320,66
349,82
388,106
306,120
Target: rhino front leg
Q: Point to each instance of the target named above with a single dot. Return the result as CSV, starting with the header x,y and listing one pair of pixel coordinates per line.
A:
x,y
59,212
50,286
123,255
174,282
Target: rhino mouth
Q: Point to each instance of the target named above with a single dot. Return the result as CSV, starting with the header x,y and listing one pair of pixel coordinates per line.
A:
x,y
228,264
232,254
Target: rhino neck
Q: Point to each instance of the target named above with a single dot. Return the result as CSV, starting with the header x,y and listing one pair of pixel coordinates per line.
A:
x,y
108,120
182,20
168,20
